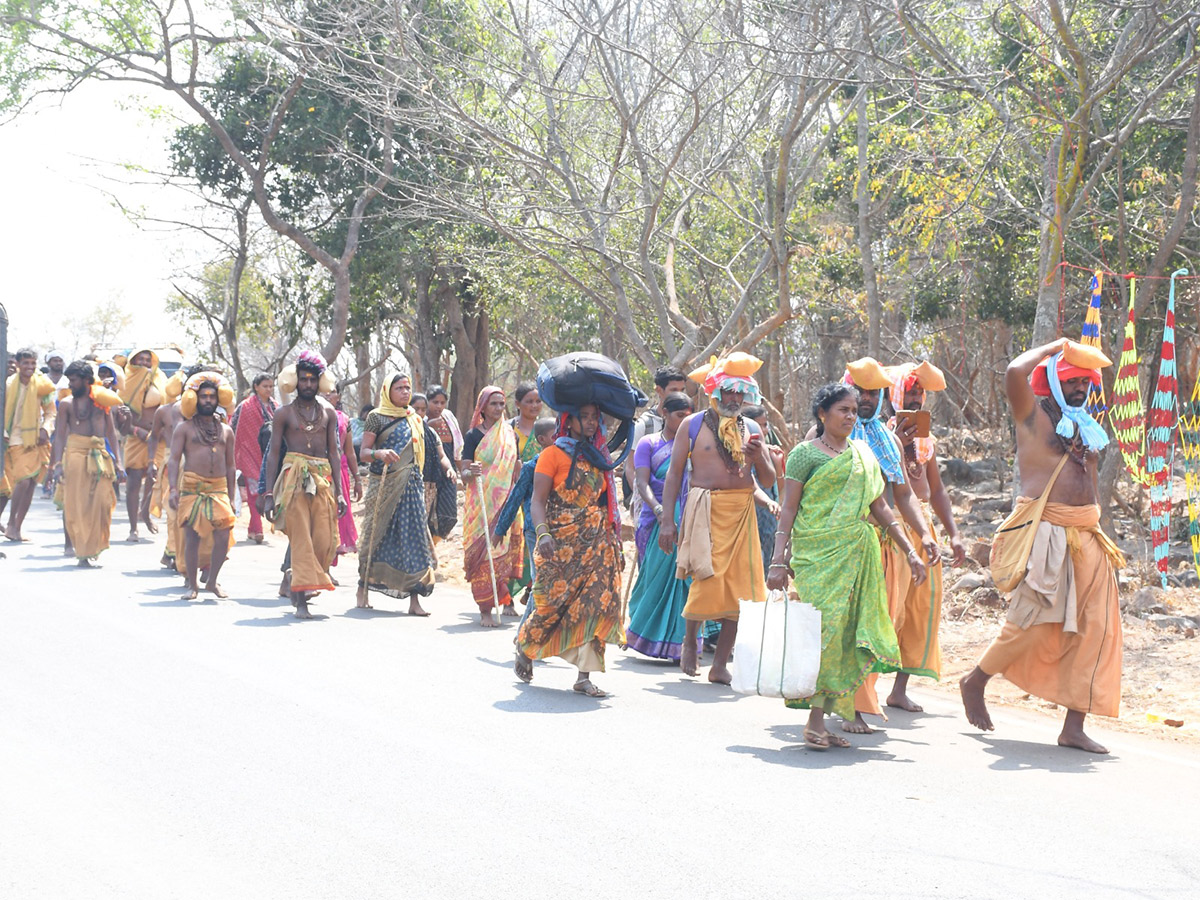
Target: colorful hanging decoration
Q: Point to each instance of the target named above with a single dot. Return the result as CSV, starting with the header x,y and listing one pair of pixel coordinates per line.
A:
x,y
1095,404
1160,439
1128,412
1189,434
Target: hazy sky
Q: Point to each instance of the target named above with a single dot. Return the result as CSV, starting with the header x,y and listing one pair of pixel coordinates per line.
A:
x,y
67,247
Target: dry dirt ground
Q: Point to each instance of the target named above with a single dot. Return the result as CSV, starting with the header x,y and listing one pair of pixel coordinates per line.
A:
x,y
1161,678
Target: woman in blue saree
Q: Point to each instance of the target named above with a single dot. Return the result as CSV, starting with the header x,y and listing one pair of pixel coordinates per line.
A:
x,y
656,624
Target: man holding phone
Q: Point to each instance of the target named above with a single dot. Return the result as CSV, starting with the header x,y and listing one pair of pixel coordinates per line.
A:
x,y
918,610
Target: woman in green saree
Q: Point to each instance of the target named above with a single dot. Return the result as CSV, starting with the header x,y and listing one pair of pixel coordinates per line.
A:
x,y
832,484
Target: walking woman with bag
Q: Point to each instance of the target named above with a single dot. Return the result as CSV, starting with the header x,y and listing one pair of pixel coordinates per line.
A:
x,y
832,484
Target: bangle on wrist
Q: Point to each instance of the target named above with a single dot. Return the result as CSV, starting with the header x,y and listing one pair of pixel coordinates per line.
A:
x,y
775,565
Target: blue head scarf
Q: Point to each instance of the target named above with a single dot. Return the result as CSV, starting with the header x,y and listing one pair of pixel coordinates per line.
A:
x,y
1075,419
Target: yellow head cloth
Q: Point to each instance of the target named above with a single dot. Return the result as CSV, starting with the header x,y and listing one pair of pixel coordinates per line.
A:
x,y
187,400
145,386
415,423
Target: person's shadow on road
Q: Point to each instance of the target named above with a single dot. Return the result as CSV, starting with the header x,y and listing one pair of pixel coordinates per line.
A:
x,y
1025,756
532,698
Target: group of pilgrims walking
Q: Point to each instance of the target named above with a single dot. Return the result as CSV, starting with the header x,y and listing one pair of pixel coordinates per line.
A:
x,y
721,514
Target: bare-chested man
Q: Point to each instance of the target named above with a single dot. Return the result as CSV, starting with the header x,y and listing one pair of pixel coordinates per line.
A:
x,y
306,497
29,414
143,392
167,418
1062,637
718,544
203,478
81,461
918,608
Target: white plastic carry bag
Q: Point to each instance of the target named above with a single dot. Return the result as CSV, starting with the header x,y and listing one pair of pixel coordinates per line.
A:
x,y
778,648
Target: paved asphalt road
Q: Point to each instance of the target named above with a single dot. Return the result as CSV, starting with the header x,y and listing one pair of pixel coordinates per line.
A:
x,y
156,748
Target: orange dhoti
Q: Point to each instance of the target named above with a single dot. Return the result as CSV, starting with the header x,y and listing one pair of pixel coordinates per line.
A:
x,y
88,495
1069,656
719,550
205,508
23,462
137,453
305,505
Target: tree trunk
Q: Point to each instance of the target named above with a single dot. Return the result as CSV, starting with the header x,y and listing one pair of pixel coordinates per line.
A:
x,y
863,194
362,360
468,320
427,345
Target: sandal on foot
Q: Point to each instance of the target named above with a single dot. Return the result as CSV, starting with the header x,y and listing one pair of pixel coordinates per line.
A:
x,y
837,741
816,740
588,689
524,668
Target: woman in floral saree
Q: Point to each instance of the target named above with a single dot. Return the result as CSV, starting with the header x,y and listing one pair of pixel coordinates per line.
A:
x,y
832,484
489,467
577,559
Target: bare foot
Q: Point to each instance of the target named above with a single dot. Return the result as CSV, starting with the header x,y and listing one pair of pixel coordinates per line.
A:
x,y
149,523
166,562
971,687
1080,741
257,538
300,601
486,620
688,659
719,675
901,701
192,594
508,611
415,608
858,726
86,564
68,550
213,588
13,534
360,599
285,586
133,537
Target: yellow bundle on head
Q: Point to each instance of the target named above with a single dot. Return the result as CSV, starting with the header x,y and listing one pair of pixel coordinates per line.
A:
x,y
104,398
174,389
867,374
187,400
740,364
1085,357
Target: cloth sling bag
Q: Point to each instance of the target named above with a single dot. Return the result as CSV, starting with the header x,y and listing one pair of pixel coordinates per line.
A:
x,y
1014,538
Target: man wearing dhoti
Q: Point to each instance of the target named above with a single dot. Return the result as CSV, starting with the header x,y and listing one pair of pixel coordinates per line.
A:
x,y
718,538
82,464
143,392
917,610
29,416
1062,638
306,497
203,477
